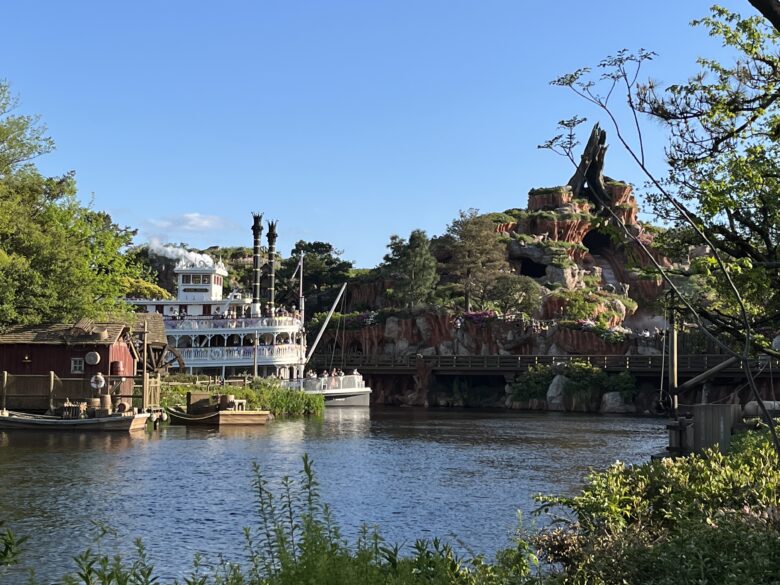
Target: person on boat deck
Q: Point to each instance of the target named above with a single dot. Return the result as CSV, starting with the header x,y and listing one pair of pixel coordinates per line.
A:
x,y
324,374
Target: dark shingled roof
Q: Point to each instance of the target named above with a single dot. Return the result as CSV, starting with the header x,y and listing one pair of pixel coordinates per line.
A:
x,y
154,324
84,332
87,331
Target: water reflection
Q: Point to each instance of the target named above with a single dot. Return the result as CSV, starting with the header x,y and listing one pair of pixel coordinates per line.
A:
x,y
22,441
415,473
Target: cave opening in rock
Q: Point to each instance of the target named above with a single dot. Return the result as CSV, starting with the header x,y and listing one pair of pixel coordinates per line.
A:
x,y
533,269
596,242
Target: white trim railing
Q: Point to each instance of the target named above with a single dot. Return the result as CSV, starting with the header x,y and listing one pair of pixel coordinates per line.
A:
x,y
265,354
259,324
347,382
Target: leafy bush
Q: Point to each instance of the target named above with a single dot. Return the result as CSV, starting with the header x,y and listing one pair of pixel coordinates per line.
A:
x,y
586,382
533,383
624,383
700,519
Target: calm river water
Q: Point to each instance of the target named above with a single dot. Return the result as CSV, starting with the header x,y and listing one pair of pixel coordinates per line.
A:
x,y
415,473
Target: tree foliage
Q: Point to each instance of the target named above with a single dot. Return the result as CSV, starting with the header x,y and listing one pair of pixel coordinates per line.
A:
x,y
723,174
412,268
723,171
516,294
22,137
59,260
323,269
478,256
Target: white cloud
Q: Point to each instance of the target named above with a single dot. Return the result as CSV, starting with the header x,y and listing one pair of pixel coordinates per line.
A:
x,y
191,222
197,222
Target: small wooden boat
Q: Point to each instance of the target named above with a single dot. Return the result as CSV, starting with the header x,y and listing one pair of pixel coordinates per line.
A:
x,y
202,410
219,417
122,422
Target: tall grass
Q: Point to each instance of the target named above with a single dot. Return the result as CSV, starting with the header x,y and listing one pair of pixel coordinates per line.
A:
x,y
260,395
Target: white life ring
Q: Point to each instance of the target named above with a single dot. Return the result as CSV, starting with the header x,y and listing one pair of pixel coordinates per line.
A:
x,y
97,381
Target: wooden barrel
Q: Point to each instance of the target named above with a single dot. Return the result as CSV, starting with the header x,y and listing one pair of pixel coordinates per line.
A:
x,y
94,402
117,368
105,401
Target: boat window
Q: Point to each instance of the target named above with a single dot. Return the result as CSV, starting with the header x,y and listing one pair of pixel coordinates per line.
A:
x,y
206,279
185,279
196,279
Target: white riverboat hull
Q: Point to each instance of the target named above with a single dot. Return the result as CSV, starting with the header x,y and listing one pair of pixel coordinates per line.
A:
x,y
346,397
344,390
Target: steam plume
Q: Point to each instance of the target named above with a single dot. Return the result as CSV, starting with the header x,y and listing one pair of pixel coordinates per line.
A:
x,y
176,253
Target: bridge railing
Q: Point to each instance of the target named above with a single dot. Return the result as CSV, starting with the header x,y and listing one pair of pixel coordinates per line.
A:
x,y
634,363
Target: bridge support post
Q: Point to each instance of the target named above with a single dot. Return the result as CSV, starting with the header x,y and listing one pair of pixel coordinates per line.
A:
x,y
422,379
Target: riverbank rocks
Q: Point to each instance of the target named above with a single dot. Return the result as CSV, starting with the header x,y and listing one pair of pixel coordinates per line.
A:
x,y
613,403
556,398
391,328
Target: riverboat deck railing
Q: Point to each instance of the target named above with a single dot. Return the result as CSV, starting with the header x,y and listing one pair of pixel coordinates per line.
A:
x,y
615,363
205,322
220,354
322,383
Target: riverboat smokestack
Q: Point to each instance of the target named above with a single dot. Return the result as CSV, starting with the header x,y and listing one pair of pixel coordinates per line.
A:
x,y
271,257
257,232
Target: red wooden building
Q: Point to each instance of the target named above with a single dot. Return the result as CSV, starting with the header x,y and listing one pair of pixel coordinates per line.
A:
x,y
74,353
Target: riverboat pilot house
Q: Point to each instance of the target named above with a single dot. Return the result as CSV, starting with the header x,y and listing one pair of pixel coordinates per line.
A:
x,y
41,365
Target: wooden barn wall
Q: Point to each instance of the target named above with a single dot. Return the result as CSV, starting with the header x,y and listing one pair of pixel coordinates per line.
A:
x,y
56,358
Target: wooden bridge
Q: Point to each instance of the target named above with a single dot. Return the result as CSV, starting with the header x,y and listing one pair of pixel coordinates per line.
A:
x,y
497,365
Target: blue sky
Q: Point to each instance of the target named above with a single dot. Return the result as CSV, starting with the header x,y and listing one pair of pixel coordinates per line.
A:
x,y
346,120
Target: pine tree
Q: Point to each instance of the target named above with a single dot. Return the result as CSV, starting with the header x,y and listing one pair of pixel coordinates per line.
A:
x,y
412,268
478,255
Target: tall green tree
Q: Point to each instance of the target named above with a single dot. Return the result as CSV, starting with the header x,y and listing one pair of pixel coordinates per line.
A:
x,y
411,267
59,260
478,255
323,269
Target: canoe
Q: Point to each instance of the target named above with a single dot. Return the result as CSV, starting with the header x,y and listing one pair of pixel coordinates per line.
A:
x,y
120,422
